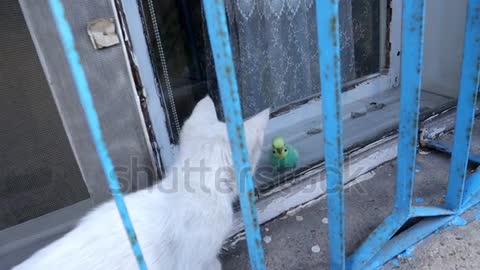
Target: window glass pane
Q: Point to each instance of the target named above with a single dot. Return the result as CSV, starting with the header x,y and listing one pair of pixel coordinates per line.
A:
x,y
366,36
276,52
274,45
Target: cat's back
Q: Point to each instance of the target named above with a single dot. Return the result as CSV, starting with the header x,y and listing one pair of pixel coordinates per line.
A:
x,y
169,226
99,241
72,252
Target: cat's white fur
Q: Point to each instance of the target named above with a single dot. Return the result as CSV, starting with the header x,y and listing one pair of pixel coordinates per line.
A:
x,y
180,223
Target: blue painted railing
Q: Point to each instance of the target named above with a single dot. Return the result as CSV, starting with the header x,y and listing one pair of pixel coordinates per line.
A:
x,y
225,70
465,108
328,22
381,245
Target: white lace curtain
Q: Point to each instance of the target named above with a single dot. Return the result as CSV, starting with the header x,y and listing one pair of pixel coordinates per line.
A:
x,y
276,53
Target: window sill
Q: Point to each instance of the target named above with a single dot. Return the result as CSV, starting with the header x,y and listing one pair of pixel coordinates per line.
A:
x,y
366,119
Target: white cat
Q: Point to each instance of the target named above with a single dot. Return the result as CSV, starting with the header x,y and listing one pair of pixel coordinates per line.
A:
x,y
180,223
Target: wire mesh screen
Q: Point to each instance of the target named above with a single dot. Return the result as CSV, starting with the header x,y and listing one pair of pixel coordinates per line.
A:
x,y
114,95
38,171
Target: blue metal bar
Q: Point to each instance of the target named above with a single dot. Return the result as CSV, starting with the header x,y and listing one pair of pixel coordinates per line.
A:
x,y
472,189
411,82
426,227
412,64
405,240
331,84
429,211
377,239
445,148
91,114
224,67
465,108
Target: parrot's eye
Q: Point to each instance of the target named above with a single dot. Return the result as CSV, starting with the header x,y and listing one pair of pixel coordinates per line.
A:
x,y
273,151
285,150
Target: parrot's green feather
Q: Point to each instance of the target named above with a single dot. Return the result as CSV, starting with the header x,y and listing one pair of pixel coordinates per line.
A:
x,y
288,162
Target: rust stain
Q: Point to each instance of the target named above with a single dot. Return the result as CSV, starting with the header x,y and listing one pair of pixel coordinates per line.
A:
x,y
132,237
251,196
418,18
255,220
333,30
239,131
251,199
230,82
338,97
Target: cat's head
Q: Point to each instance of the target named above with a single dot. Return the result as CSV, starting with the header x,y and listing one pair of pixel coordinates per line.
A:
x,y
204,135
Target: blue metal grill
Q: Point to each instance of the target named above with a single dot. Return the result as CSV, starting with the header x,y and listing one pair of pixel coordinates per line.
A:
x,y
381,245
222,53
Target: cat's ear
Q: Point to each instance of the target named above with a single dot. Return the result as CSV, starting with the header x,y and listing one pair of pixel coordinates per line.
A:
x,y
204,112
255,131
202,116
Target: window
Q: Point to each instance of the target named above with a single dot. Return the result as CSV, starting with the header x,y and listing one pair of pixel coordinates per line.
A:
x,y
276,60
275,50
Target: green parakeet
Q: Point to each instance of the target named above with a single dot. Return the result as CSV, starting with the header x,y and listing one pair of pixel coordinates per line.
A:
x,y
284,156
